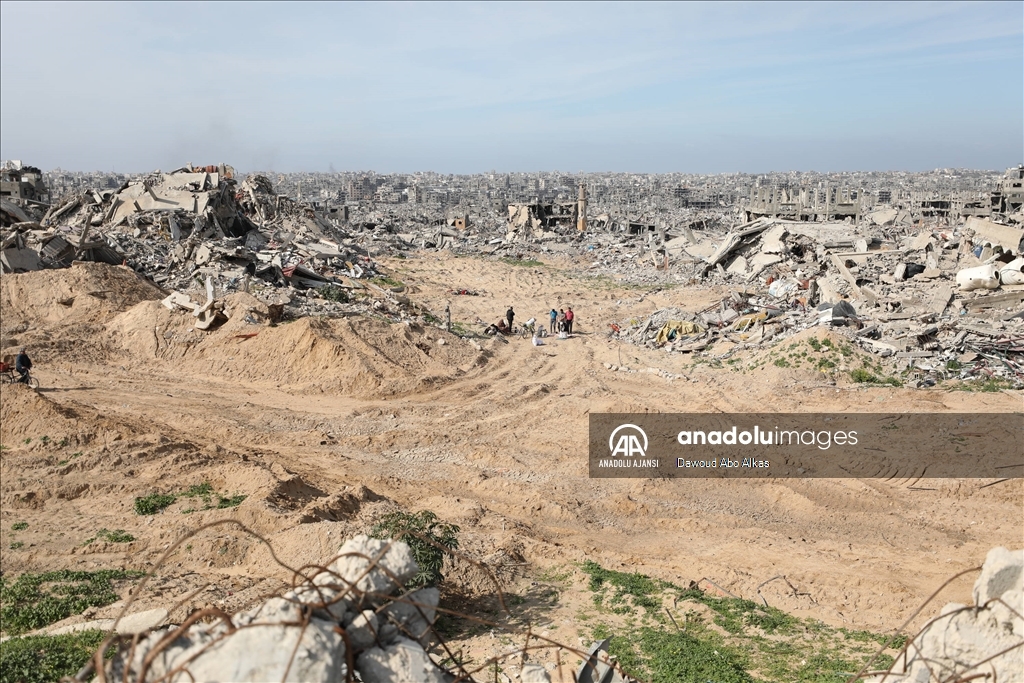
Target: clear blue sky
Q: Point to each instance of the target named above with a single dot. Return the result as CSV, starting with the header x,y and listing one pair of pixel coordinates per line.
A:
x,y
470,87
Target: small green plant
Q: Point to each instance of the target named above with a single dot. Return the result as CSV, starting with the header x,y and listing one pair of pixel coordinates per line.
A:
x,y
116,536
383,281
335,293
28,440
153,503
17,545
196,490
428,538
36,600
814,344
781,363
45,440
860,375
19,526
229,502
76,455
42,659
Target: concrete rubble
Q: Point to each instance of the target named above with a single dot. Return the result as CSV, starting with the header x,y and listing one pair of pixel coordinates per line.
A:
x,y
983,641
924,298
357,610
934,285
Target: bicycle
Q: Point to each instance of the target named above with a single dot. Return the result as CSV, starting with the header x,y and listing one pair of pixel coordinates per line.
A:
x,y
9,376
527,330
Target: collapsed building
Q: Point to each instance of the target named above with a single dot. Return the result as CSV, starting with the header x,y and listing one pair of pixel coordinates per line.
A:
x,y
547,220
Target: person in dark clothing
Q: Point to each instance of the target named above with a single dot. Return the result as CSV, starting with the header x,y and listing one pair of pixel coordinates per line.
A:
x,y
510,316
569,317
22,364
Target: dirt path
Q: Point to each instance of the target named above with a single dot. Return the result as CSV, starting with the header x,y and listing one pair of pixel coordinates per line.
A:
x,y
497,447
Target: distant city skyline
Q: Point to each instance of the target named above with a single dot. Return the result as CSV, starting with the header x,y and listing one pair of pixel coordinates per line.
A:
x,y
480,87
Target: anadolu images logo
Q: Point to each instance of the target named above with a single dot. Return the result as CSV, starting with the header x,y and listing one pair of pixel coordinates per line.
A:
x,y
628,445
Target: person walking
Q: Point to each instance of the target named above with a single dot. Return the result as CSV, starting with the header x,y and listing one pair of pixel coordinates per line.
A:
x,y
510,316
554,319
569,317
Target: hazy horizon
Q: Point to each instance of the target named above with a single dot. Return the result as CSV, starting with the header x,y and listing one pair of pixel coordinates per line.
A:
x,y
474,88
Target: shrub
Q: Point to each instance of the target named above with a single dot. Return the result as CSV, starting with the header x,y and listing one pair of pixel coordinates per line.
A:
x,y
421,530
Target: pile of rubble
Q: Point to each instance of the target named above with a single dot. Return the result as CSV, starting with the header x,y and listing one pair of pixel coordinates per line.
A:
x,y
925,299
984,641
196,229
355,613
174,226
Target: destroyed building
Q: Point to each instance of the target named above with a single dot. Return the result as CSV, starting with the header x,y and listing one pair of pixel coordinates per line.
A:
x,y
556,217
23,183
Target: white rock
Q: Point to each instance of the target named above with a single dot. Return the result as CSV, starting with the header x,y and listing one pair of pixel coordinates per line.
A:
x,y
1003,571
362,632
353,565
534,673
415,614
404,661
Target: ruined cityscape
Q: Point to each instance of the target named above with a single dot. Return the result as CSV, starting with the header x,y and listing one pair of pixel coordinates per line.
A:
x,y
364,297
268,415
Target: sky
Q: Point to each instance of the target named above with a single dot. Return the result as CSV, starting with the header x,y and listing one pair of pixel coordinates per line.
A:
x,y
474,87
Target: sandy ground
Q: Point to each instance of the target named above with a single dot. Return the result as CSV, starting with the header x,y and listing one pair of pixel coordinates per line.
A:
x,y
324,424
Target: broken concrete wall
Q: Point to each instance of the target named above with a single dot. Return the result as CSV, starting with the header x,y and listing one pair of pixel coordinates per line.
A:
x,y
983,641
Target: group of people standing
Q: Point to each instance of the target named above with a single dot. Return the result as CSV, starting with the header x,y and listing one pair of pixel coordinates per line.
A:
x,y
561,320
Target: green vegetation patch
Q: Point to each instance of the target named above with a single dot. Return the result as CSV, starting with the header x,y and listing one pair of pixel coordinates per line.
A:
x,y
985,385
386,282
334,293
19,526
43,659
33,601
116,536
863,376
667,635
530,263
155,502
428,537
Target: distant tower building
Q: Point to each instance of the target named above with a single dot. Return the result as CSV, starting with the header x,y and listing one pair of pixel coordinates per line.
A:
x,y
581,219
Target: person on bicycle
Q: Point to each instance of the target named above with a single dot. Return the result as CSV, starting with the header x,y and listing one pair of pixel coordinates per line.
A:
x,y
22,364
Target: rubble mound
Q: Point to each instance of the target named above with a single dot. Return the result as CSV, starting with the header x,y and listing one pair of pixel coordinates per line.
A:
x,y
984,641
356,610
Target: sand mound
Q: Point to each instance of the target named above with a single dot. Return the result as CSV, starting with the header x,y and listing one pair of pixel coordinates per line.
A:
x,y
87,292
59,314
357,356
